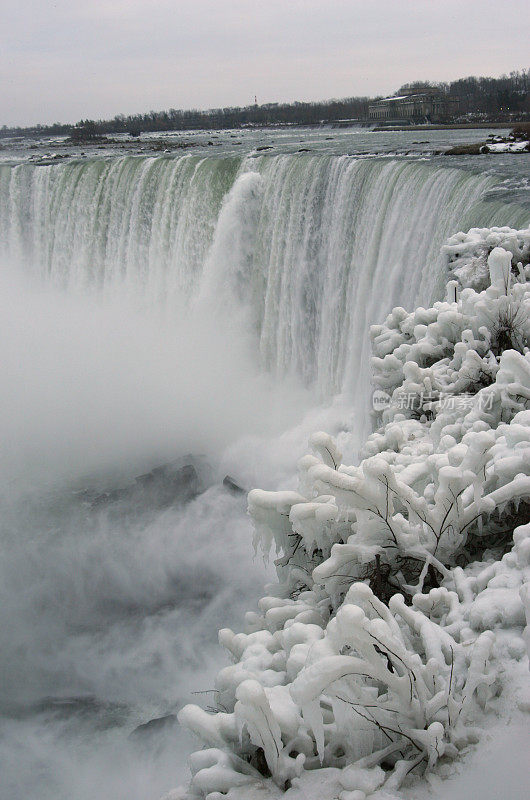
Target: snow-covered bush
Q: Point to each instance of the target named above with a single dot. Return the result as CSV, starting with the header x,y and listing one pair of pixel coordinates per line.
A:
x,y
375,654
467,253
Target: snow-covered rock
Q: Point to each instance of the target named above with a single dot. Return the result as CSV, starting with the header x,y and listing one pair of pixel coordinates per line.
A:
x,y
507,147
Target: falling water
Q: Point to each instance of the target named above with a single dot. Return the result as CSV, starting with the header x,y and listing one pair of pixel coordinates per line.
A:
x,y
317,247
153,307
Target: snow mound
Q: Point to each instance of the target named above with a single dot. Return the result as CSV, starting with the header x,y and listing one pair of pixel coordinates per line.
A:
x,y
507,147
403,585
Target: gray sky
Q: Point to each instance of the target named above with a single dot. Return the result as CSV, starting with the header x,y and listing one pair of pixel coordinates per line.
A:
x,y
69,59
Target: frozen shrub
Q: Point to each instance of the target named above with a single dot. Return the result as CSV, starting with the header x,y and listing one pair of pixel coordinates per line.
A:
x,y
375,654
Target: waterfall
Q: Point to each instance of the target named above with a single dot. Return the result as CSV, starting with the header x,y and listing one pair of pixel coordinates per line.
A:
x,y
315,247
155,307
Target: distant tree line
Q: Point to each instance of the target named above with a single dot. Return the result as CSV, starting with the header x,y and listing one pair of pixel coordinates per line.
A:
x,y
495,97
501,98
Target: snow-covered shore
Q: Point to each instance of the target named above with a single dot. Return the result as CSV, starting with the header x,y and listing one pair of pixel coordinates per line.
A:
x,y
394,640
516,142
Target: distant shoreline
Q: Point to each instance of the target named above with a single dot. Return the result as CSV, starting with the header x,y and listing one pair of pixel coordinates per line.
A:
x,y
452,126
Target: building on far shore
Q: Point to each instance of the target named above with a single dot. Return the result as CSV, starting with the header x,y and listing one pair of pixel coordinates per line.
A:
x,y
417,106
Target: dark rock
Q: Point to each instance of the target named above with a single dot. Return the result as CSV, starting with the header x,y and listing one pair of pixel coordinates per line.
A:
x,y
466,150
264,147
521,131
154,726
230,484
166,485
169,483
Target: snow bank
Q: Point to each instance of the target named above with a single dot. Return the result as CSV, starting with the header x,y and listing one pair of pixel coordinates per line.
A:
x,y
403,582
507,147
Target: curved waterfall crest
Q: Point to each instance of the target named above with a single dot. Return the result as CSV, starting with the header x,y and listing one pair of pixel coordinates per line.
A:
x,y
315,247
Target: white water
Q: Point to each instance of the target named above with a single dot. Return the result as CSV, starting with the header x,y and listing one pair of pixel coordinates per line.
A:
x,y
154,307
316,247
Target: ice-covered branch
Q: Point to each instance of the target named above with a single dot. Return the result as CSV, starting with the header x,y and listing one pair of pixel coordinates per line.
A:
x,y
377,651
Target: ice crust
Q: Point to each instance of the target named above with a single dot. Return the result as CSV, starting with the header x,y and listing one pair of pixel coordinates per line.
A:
x,y
397,625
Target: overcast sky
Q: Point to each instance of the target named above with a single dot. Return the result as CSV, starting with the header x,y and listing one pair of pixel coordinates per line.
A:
x,y
64,60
